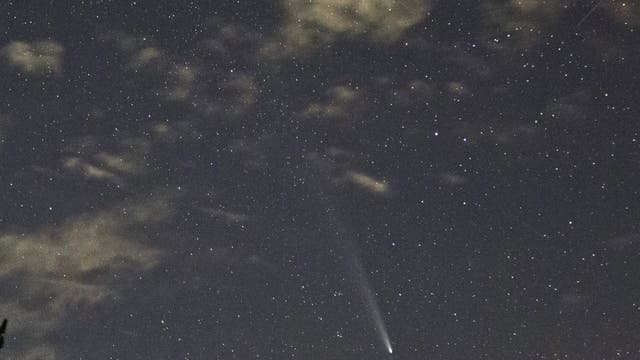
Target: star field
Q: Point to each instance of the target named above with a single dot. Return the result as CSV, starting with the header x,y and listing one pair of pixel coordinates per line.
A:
x,y
312,179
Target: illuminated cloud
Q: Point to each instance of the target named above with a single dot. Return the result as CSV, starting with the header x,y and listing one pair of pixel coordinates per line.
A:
x,y
239,93
141,52
81,245
452,178
473,66
146,56
422,88
59,267
568,109
368,183
410,93
309,24
174,79
107,166
337,164
90,171
519,23
340,100
168,132
456,88
181,79
340,155
123,41
129,162
164,132
246,87
252,151
38,58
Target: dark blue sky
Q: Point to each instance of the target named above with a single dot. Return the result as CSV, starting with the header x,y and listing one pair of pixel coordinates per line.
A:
x,y
268,180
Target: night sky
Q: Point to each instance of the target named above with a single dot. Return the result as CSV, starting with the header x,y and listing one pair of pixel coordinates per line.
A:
x,y
311,179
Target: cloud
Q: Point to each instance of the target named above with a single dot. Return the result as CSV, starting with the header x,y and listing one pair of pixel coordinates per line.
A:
x,y
450,178
38,58
339,100
90,171
310,24
340,155
128,162
79,246
569,109
337,165
239,92
519,23
171,78
246,87
254,152
146,56
59,268
456,88
182,78
107,166
369,183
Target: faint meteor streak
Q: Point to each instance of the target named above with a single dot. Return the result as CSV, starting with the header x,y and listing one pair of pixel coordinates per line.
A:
x,y
589,13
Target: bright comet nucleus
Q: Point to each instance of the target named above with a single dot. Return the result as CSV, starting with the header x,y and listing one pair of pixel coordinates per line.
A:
x,y
387,343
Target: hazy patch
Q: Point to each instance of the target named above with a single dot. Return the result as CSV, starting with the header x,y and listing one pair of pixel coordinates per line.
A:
x,y
38,58
568,109
110,166
340,155
369,183
452,178
246,87
253,151
145,56
310,24
339,101
58,266
89,171
80,245
456,88
519,23
181,78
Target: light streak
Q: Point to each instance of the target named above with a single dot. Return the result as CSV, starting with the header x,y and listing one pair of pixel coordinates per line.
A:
x,y
368,296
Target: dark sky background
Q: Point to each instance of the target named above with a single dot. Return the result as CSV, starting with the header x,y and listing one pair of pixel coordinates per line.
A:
x,y
204,180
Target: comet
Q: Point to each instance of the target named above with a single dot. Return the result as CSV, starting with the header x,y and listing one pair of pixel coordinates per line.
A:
x,y
344,237
368,296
